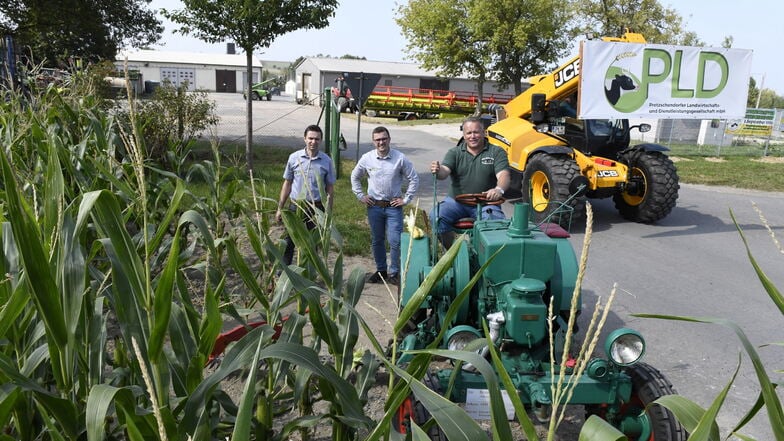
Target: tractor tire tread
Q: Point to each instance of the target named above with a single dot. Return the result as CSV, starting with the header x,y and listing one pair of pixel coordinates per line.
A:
x,y
661,192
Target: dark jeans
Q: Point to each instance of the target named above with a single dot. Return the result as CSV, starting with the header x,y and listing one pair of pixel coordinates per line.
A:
x,y
386,223
310,223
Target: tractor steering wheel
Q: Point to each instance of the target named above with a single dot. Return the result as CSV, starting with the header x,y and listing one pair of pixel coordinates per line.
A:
x,y
472,199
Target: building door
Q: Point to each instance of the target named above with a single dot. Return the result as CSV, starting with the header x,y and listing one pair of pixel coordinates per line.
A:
x,y
225,81
178,77
302,95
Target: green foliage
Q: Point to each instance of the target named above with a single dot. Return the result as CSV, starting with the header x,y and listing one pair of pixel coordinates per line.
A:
x,y
526,37
55,31
442,37
658,24
251,25
170,120
757,174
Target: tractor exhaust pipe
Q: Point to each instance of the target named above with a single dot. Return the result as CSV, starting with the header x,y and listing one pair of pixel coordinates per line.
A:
x,y
495,321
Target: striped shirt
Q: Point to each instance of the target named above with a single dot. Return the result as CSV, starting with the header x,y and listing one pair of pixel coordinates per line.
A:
x,y
385,176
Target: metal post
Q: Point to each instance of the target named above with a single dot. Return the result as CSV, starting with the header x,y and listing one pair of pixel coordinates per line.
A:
x,y
358,99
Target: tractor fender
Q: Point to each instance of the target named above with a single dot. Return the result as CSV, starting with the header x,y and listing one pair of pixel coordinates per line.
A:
x,y
549,150
647,147
552,150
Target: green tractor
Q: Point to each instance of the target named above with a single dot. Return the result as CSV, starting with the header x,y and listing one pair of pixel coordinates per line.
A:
x,y
259,91
533,271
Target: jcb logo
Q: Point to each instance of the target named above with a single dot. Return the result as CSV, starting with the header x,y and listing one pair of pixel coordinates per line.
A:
x,y
569,71
607,174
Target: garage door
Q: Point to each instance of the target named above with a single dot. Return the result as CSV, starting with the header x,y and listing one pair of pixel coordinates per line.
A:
x,y
178,76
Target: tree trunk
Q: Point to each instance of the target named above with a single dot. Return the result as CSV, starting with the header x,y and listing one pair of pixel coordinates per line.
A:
x,y
249,110
480,86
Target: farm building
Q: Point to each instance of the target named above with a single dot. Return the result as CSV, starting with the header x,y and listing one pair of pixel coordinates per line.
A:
x,y
313,75
212,72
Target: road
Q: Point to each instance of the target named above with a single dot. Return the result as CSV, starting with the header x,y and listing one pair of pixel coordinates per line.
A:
x,y
692,263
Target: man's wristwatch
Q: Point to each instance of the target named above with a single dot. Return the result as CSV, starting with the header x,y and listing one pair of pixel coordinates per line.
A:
x,y
500,190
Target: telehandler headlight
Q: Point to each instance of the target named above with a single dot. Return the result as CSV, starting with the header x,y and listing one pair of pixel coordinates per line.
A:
x,y
624,346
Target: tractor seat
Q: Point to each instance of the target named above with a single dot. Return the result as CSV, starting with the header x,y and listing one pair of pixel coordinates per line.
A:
x,y
465,223
553,230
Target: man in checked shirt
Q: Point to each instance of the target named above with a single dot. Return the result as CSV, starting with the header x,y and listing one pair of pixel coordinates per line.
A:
x,y
386,170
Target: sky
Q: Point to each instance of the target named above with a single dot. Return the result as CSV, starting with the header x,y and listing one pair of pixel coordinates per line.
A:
x,y
367,28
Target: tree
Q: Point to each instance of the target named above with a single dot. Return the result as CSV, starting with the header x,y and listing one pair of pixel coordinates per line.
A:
x,y
648,17
441,38
251,25
526,36
53,31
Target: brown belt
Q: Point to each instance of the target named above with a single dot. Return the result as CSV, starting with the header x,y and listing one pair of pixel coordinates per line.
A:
x,y
382,204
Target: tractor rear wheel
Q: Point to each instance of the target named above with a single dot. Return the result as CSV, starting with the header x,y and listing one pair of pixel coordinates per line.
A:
x,y
656,423
269,96
255,96
652,190
546,187
413,409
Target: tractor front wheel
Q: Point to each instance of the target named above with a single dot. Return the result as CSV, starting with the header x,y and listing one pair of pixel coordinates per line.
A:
x,y
652,189
255,96
546,187
654,424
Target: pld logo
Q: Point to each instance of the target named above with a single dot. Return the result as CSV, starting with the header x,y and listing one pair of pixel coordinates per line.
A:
x,y
627,92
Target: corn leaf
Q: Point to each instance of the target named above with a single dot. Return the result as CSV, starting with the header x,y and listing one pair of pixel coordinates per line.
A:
x,y
597,429
34,259
163,300
242,424
451,418
772,402
98,401
770,288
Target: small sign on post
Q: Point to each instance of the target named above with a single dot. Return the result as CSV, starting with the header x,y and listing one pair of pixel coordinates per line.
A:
x,y
361,86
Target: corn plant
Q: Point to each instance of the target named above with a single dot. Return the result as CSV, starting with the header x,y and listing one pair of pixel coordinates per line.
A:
x,y
701,422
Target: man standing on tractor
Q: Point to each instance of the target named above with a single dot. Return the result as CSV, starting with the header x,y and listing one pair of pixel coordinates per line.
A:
x,y
386,170
478,171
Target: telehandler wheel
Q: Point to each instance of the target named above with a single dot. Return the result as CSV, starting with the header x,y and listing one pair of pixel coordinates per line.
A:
x,y
657,423
413,409
546,187
653,187
269,96
255,96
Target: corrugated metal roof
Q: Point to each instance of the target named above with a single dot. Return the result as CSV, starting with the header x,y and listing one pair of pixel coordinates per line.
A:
x,y
379,67
150,56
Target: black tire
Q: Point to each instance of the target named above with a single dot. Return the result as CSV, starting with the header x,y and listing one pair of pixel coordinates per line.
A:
x,y
648,384
546,187
255,96
418,411
269,96
654,188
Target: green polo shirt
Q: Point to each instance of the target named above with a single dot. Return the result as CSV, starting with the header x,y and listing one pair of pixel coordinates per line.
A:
x,y
474,174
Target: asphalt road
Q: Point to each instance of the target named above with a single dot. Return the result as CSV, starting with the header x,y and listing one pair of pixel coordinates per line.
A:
x,y
692,263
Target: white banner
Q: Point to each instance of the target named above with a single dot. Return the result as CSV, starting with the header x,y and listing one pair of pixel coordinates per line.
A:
x,y
630,80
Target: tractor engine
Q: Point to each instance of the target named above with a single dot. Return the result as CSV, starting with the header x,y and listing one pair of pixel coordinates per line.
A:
x,y
529,266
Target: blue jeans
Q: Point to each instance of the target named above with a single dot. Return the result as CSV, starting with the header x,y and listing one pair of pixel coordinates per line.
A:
x,y
450,211
386,224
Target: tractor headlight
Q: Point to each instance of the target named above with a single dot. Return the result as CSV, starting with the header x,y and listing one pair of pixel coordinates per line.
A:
x,y
458,337
624,346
